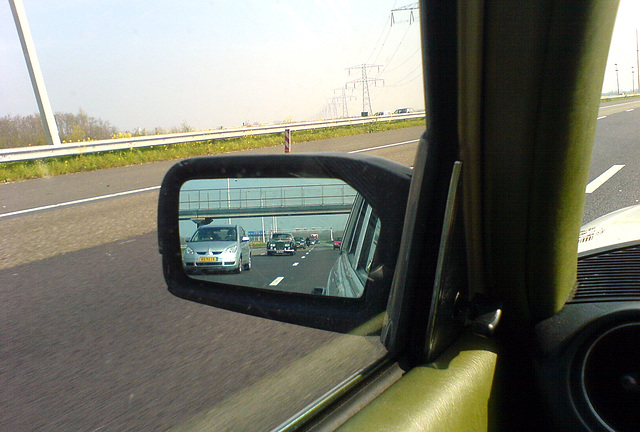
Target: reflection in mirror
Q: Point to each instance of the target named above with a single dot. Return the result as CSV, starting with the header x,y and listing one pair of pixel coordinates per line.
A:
x,y
315,236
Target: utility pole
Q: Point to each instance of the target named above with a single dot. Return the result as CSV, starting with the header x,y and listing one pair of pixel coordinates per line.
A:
x,y
29,51
617,80
364,81
637,61
343,100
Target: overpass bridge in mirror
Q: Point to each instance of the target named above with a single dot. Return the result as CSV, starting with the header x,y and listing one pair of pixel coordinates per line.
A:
x,y
202,206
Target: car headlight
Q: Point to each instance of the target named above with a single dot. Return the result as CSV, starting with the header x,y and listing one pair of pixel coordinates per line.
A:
x,y
189,251
231,249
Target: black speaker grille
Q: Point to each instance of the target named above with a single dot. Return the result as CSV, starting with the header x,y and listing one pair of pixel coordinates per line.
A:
x,y
609,276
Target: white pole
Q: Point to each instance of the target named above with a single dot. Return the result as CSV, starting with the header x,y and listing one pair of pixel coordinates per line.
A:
x,y
37,81
287,140
228,200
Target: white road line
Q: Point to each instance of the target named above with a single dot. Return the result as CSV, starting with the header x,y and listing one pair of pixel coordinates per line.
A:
x,y
64,204
295,264
599,181
276,281
303,257
384,146
630,109
602,117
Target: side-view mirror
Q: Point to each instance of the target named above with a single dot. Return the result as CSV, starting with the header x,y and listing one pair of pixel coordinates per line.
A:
x,y
275,199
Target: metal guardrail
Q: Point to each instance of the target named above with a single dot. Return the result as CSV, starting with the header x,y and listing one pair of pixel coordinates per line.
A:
x,y
48,151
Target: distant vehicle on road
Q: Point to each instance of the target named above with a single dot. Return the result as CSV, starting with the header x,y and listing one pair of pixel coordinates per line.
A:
x,y
337,242
214,248
301,243
281,244
313,239
404,111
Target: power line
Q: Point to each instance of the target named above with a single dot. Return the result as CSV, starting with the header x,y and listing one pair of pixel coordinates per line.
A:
x,y
396,50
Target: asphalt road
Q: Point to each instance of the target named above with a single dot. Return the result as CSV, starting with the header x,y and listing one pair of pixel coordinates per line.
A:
x,y
617,143
302,272
91,340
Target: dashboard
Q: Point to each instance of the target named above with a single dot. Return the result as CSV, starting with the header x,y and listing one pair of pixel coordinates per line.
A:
x,y
588,355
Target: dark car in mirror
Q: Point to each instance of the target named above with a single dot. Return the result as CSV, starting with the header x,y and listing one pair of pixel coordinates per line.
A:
x,y
267,198
281,244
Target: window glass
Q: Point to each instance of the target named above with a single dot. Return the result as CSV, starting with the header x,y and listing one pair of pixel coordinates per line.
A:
x,y
370,243
611,185
357,238
90,335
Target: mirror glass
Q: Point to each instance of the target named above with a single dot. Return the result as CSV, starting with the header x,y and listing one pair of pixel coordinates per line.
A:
x,y
305,235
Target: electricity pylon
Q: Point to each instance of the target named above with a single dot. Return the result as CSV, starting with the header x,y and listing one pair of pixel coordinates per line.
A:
x,y
409,8
365,80
343,100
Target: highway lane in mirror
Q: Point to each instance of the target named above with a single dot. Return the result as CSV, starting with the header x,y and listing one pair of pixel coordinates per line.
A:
x,y
278,234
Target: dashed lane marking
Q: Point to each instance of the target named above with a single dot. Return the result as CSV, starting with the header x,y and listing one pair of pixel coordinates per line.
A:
x,y
80,201
384,146
276,281
602,178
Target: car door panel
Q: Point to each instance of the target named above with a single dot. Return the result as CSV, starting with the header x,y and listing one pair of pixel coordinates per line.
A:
x,y
454,393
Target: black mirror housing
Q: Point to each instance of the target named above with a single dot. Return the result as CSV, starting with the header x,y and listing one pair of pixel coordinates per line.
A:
x,y
382,183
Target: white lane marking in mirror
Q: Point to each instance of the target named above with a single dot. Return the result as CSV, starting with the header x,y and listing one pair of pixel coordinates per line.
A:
x,y
276,281
602,117
80,201
303,257
630,109
384,146
294,264
599,181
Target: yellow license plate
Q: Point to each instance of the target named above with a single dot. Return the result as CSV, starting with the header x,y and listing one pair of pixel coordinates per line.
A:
x,y
208,259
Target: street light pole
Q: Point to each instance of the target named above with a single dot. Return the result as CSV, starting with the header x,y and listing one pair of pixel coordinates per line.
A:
x,y
229,199
637,61
617,79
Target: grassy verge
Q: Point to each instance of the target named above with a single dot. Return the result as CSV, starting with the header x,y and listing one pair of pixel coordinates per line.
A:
x,y
15,171
619,98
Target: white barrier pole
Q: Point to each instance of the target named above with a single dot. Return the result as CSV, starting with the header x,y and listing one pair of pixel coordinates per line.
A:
x,y
287,140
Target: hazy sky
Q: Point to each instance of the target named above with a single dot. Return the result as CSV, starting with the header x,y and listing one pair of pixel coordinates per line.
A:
x,y
209,63
623,48
221,63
